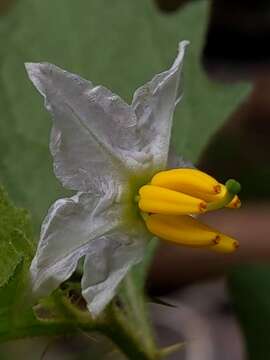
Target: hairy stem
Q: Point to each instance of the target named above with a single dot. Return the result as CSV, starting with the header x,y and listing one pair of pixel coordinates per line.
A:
x,y
125,340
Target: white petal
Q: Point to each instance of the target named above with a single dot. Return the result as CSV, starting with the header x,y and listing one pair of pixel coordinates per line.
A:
x,y
109,260
154,105
95,131
66,234
177,162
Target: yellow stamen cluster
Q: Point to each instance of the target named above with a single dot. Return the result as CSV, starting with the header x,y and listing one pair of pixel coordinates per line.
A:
x,y
173,196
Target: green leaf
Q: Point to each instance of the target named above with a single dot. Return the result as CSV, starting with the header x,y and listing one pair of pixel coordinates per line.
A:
x,y
9,317
206,105
16,239
17,319
250,290
16,251
121,46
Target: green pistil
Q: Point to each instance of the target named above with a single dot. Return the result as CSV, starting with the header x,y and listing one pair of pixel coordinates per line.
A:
x,y
233,187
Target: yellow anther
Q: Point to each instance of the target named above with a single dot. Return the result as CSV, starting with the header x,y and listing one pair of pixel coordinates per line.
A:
x,y
168,202
228,199
216,197
188,181
156,199
183,230
235,203
217,189
225,245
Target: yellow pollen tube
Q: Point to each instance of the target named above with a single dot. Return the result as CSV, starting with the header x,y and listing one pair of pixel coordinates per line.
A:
x,y
189,181
155,199
225,245
182,230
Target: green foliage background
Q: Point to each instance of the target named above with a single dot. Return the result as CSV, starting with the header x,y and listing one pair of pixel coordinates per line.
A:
x,y
119,44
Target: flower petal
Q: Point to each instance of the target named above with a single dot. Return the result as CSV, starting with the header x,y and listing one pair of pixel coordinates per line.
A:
x,y
154,105
108,261
177,162
67,232
95,131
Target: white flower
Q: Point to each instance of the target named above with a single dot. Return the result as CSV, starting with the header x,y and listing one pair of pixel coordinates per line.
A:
x,y
104,149
108,151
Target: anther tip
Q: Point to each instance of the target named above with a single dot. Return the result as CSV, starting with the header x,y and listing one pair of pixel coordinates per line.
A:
x,y
217,189
202,207
237,204
236,244
216,240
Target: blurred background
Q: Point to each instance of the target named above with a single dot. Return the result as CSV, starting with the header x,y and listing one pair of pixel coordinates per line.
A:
x,y
222,303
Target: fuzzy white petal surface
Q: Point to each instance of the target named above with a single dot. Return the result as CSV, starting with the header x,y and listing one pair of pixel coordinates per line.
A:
x,y
106,264
95,131
99,144
67,232
177,162
154,104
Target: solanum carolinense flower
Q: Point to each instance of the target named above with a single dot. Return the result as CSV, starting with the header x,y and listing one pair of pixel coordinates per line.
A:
x,y
114,156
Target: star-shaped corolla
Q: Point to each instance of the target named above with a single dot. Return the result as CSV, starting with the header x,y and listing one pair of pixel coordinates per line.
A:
x,y
112,154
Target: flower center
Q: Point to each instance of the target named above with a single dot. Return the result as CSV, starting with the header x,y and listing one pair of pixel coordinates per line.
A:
x,y
169,203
